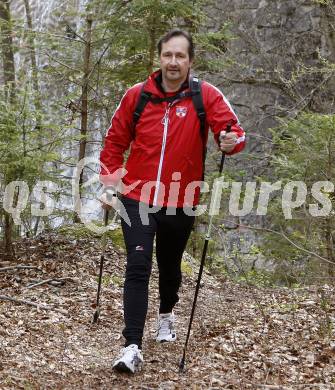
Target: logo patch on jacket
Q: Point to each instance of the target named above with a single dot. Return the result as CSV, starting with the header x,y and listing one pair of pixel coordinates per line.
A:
x,y
181,111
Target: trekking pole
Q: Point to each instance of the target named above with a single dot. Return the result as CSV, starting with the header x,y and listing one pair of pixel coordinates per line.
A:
x,y
102,259
202,263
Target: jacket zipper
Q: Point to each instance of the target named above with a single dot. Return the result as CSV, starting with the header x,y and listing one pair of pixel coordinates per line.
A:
x,y
165,122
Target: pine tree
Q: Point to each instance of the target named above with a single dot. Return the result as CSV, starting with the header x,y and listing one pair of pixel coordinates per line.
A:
x,y
304,150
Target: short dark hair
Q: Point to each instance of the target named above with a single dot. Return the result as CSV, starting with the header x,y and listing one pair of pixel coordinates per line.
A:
x,y
176,32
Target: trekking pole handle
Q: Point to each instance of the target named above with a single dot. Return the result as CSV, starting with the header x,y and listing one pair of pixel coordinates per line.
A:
x,y
228,130
110,193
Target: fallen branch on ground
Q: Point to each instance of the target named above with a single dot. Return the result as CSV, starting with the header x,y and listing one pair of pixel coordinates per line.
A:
x,y
10,268
29,303
58,282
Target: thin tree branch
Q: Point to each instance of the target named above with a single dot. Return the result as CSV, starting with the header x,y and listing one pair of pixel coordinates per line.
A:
x,y
49,281
282,234
29,303
14,267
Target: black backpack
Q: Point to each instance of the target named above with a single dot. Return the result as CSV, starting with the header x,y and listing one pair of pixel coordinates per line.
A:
x,y
195,93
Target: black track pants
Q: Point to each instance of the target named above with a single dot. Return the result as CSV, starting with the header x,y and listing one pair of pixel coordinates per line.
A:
x,y
172,233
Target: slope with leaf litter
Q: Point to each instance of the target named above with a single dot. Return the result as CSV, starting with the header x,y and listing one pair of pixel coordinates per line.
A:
x,y
243,337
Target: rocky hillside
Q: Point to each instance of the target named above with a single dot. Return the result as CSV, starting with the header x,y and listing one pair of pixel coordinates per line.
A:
x,y
278,64
243,337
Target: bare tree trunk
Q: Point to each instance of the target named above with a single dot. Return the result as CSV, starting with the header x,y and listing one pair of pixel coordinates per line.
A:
x,y
329,221
31,39
330,247
7,47
84,105
35,81
8,231
9,79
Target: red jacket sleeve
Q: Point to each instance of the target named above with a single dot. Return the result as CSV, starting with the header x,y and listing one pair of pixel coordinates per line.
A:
x,y
118,139
219,113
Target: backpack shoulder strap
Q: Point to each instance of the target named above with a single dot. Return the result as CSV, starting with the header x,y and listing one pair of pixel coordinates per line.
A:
x,y
198,103
143,100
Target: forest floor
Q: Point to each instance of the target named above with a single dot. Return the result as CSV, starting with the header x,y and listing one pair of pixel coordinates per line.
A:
x,y
243,337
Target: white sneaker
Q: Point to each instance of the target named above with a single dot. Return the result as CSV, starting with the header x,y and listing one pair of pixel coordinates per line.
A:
x,y
130,359
166,330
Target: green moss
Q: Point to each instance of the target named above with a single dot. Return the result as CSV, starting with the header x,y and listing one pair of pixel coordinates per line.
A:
x,y
186,268
80,231
113,280
105,281
117,281
259,278
76,231
288,307
116,237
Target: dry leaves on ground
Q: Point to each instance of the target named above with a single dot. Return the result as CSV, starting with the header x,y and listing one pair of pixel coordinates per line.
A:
x,y
243,337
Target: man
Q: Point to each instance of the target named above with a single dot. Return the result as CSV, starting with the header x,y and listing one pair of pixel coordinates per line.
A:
x,y
158,190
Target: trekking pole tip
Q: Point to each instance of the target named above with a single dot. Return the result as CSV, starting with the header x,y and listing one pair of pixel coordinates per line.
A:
x,y
182,365
96,316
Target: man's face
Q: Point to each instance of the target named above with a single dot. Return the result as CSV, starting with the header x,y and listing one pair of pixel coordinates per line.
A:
x,y
174,59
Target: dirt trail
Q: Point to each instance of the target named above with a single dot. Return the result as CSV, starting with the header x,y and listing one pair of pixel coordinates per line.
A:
x,y
243,337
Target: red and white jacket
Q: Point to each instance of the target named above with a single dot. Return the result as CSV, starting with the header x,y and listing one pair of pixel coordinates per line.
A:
x,y
164,166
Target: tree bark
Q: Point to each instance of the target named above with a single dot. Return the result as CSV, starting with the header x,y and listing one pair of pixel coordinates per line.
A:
x,y
84,107
35,82
9,80
329,220
36,87
330,247
7,49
